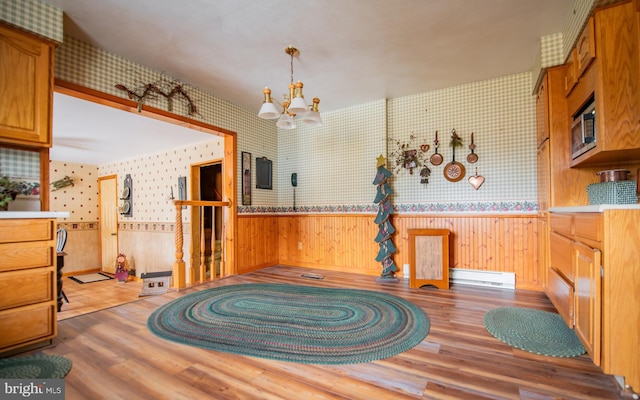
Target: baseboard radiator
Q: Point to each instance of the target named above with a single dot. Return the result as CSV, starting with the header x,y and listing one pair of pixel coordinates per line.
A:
x,y
504,280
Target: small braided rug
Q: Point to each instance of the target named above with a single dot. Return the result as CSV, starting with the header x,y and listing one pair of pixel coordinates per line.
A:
x,y
535,331
302,324
32,367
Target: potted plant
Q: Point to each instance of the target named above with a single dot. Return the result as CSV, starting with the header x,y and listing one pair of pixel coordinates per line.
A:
x,y
10,188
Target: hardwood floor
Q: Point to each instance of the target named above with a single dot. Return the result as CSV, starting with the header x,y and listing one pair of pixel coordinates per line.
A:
x,y
116,357
90,297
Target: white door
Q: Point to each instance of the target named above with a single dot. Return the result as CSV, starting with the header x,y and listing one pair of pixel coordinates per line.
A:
x,y
108,194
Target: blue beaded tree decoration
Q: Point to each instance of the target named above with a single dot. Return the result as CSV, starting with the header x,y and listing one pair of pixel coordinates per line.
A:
x,y
385,229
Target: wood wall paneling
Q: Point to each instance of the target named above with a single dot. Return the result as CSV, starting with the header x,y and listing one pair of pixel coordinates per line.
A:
x,y
345,242
258,242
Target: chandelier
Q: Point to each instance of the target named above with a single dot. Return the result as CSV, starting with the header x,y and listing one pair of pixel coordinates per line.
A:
x,y
293,104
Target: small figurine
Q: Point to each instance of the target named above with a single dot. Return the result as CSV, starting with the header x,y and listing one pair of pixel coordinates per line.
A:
x,y
122,270
424,174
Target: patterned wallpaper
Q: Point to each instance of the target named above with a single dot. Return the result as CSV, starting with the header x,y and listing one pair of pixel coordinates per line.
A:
x,y
23,166
35,16
554,49
83,64
19,164
577,20
155,175
335,163
501,115
81,199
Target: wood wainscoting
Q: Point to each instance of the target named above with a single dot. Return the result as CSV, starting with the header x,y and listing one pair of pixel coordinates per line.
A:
x,y
258,242
345,242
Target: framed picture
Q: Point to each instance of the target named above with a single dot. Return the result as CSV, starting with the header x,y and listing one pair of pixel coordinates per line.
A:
x,y
410,157
246,178
263,173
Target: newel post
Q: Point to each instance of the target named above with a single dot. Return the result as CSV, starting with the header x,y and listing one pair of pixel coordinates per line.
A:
x,y
179,273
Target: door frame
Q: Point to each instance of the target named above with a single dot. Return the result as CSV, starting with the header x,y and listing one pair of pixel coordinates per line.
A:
x,y
229,188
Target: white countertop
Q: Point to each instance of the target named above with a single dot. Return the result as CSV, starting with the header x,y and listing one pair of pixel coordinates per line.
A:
x,y
595,208
33,214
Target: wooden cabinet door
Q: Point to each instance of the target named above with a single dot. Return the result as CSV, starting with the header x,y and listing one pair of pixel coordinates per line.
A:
x,y
586,47
26,92
543,250
571,77
544,177
542,111
588,294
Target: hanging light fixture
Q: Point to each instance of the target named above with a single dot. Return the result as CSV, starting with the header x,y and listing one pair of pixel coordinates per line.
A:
x,y
293,104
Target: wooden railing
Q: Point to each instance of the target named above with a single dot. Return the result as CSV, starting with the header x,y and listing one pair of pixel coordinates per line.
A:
x,y
199,274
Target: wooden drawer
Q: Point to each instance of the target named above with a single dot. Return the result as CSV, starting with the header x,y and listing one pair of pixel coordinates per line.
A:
x,y
19,256
561,223
561,256
585,48
26,325
23,230
560,293
20,288
589,226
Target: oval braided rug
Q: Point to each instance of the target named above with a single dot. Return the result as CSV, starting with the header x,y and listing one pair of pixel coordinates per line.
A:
x,y
31,367
535,331
294,323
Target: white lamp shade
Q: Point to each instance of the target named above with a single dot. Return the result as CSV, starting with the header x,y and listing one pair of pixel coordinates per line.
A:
x,y
268,111
312,118
286,122
298,106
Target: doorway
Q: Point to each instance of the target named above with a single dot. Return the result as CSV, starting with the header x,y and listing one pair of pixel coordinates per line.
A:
x,y
207,183
108,224
228,163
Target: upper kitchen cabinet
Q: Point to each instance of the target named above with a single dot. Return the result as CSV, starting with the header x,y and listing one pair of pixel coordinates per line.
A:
x,y
559,185
607,64
585,50
26,73
542,111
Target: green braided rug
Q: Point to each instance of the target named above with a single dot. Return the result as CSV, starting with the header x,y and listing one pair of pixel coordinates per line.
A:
x,y
32,367
302,324
535,331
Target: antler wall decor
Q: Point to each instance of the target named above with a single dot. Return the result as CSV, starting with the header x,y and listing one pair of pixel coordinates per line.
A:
x,y
138,97
163,87
178,89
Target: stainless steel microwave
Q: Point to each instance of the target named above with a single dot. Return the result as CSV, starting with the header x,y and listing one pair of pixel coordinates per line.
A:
x,y
583,130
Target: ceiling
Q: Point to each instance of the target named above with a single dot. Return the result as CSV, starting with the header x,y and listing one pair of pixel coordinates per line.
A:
x,y
94,134
351,51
